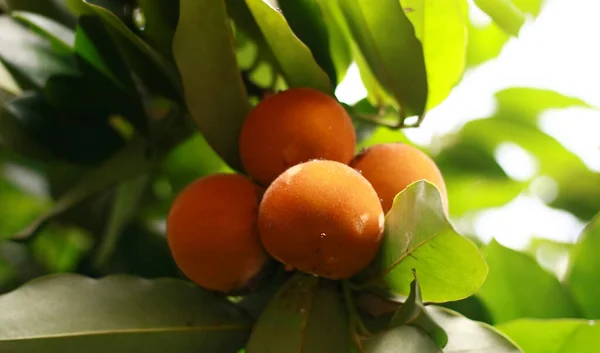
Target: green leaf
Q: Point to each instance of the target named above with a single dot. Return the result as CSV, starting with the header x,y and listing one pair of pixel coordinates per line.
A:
x,y
306,315
339,48
160,22
441,26
29,58
412,312
307,21
554,336
418,236
127,200
7,82
466,336
71,313
154,70
472,308
293,58
82,141
519,126
62,37
24,207
584,269
56,10
215,95
486,42
61,248
517,287
387,40
128,163
405,339
504,13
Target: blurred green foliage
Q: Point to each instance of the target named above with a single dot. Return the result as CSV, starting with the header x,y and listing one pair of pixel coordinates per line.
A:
x,y
97,135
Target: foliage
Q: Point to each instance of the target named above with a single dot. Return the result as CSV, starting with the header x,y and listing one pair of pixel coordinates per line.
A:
x,y
109,108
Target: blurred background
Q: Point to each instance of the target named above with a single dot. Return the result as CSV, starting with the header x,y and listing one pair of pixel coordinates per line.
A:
x,y
517,141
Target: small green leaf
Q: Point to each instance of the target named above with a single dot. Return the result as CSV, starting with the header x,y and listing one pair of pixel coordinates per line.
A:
x,y
387,40
412,312
24,208
554,336
61,36
441,26
128,163
215,95
405,339
293,58
30,59
466,336
72,313
306,315
504,13
517,287
584,270
418,236
306,19
156,72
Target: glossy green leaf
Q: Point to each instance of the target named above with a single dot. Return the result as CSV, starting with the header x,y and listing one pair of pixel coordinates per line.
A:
x,y
156,72
517,287
554,336
71,313
307,21
441,26
29,58
293,58
467,336
306,315
214,91
61,36
387,40
418,236
405,339
7,82
412,312
128,163
584,270
160,22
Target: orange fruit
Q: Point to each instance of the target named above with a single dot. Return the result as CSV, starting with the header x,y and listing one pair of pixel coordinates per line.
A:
x,y
321,217
212,232
391,167
292,127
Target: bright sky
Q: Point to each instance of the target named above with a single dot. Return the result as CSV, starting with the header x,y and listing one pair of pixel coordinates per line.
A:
x,y
556,51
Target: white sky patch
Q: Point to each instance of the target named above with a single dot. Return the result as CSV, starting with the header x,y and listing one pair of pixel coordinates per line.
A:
x,y
516,162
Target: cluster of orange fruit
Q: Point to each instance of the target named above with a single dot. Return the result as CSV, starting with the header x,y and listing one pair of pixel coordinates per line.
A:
x,y
308,201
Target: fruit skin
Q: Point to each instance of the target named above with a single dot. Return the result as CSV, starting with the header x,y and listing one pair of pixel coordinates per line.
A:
x,y
323,218
212,232
391,167
292,127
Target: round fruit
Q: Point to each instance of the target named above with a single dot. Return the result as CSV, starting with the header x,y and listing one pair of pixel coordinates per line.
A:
x,y
321,217
292,127
392,167
212,232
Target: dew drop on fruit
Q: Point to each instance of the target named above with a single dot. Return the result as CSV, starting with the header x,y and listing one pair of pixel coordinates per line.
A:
x,y
323,235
